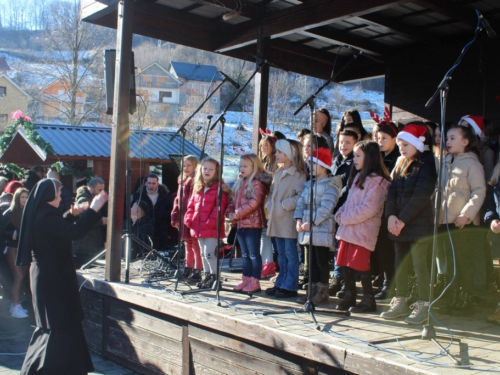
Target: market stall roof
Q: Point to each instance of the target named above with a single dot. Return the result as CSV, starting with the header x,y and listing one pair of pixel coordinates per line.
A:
x,y
306,36
91,142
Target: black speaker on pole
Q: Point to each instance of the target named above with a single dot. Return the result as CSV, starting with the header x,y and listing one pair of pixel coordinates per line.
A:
x,y
109,77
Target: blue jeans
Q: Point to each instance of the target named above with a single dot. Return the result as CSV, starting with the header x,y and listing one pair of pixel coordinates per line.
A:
x,y
288,259
249,240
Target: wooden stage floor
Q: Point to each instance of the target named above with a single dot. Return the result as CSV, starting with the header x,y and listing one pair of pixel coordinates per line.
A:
x,y
342,342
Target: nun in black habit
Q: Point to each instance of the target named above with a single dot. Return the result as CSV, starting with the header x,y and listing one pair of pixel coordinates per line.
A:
x,y
58,344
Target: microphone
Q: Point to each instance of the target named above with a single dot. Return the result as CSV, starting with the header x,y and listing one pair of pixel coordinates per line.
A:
x,y
198,128
233,82
210,117
268,62
486,26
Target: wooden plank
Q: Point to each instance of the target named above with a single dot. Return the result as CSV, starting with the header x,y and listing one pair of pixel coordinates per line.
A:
x,y
131,315
200,369
237,344
145,341
143,364
222,360
187,367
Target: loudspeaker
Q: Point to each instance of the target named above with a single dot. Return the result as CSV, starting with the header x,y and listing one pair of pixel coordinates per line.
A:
x,y
109,78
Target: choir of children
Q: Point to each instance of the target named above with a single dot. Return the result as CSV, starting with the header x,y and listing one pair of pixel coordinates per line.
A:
x,y
370,195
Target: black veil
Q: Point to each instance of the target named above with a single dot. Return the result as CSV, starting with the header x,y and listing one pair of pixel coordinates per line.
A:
x,y
43,192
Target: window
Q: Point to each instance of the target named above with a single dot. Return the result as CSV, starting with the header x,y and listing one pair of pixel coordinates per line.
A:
x,y
3,90
165,95
214,100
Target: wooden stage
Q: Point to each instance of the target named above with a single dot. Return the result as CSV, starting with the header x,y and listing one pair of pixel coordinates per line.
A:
x,y
151,329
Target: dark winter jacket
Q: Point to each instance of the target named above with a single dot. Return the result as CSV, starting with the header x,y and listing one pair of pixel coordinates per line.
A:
x,y
492,204
186,195
201,214
342,167
159,214
249,209
93,241
31,179
391,159
7,230
409,199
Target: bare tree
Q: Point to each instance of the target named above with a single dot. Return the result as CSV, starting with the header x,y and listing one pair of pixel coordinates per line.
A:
x,y
74,51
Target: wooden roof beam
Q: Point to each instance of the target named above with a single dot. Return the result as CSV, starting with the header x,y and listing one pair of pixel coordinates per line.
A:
x,y
246,9
332,36
400,28
314,13
451,9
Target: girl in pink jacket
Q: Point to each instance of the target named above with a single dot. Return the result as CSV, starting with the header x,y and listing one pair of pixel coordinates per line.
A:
x,y
359,221
201,216
193,264
247,210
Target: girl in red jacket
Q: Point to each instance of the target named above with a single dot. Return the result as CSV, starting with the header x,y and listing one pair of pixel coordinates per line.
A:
x,y
193,264
247,210
201,216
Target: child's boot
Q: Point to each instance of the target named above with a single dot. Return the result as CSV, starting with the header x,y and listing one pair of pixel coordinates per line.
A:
x,y
367,303
268,270
349,299
252,286
322,295
314,290
186,273
205,276
195,276
419,314
398,309
244,282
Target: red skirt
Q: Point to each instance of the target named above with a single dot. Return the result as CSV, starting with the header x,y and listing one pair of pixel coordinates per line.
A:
x,y
353,256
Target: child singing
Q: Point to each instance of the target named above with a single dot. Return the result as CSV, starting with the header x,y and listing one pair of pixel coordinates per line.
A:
x,y
359,221
463,195
201,216
409,210
247,210
193,264
287,186
326,191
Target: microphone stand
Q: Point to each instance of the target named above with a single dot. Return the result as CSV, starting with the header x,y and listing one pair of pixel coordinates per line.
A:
x,y
309,307
428,331
209,117
217,286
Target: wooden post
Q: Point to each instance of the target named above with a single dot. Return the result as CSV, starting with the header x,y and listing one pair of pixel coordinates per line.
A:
x,y
119,140
261,95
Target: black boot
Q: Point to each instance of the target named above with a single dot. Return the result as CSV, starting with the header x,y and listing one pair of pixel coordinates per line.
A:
x,y
205,276
186,273
441,283
195,276
367,303
453,300
209,283
349,299
335,286
464,306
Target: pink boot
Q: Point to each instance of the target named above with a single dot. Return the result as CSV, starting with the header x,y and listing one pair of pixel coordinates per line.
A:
x,y
268,270
244,282
252,286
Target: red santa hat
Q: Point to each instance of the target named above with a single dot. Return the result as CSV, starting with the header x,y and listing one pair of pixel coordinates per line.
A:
x,y
476,122
414,135
322,157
